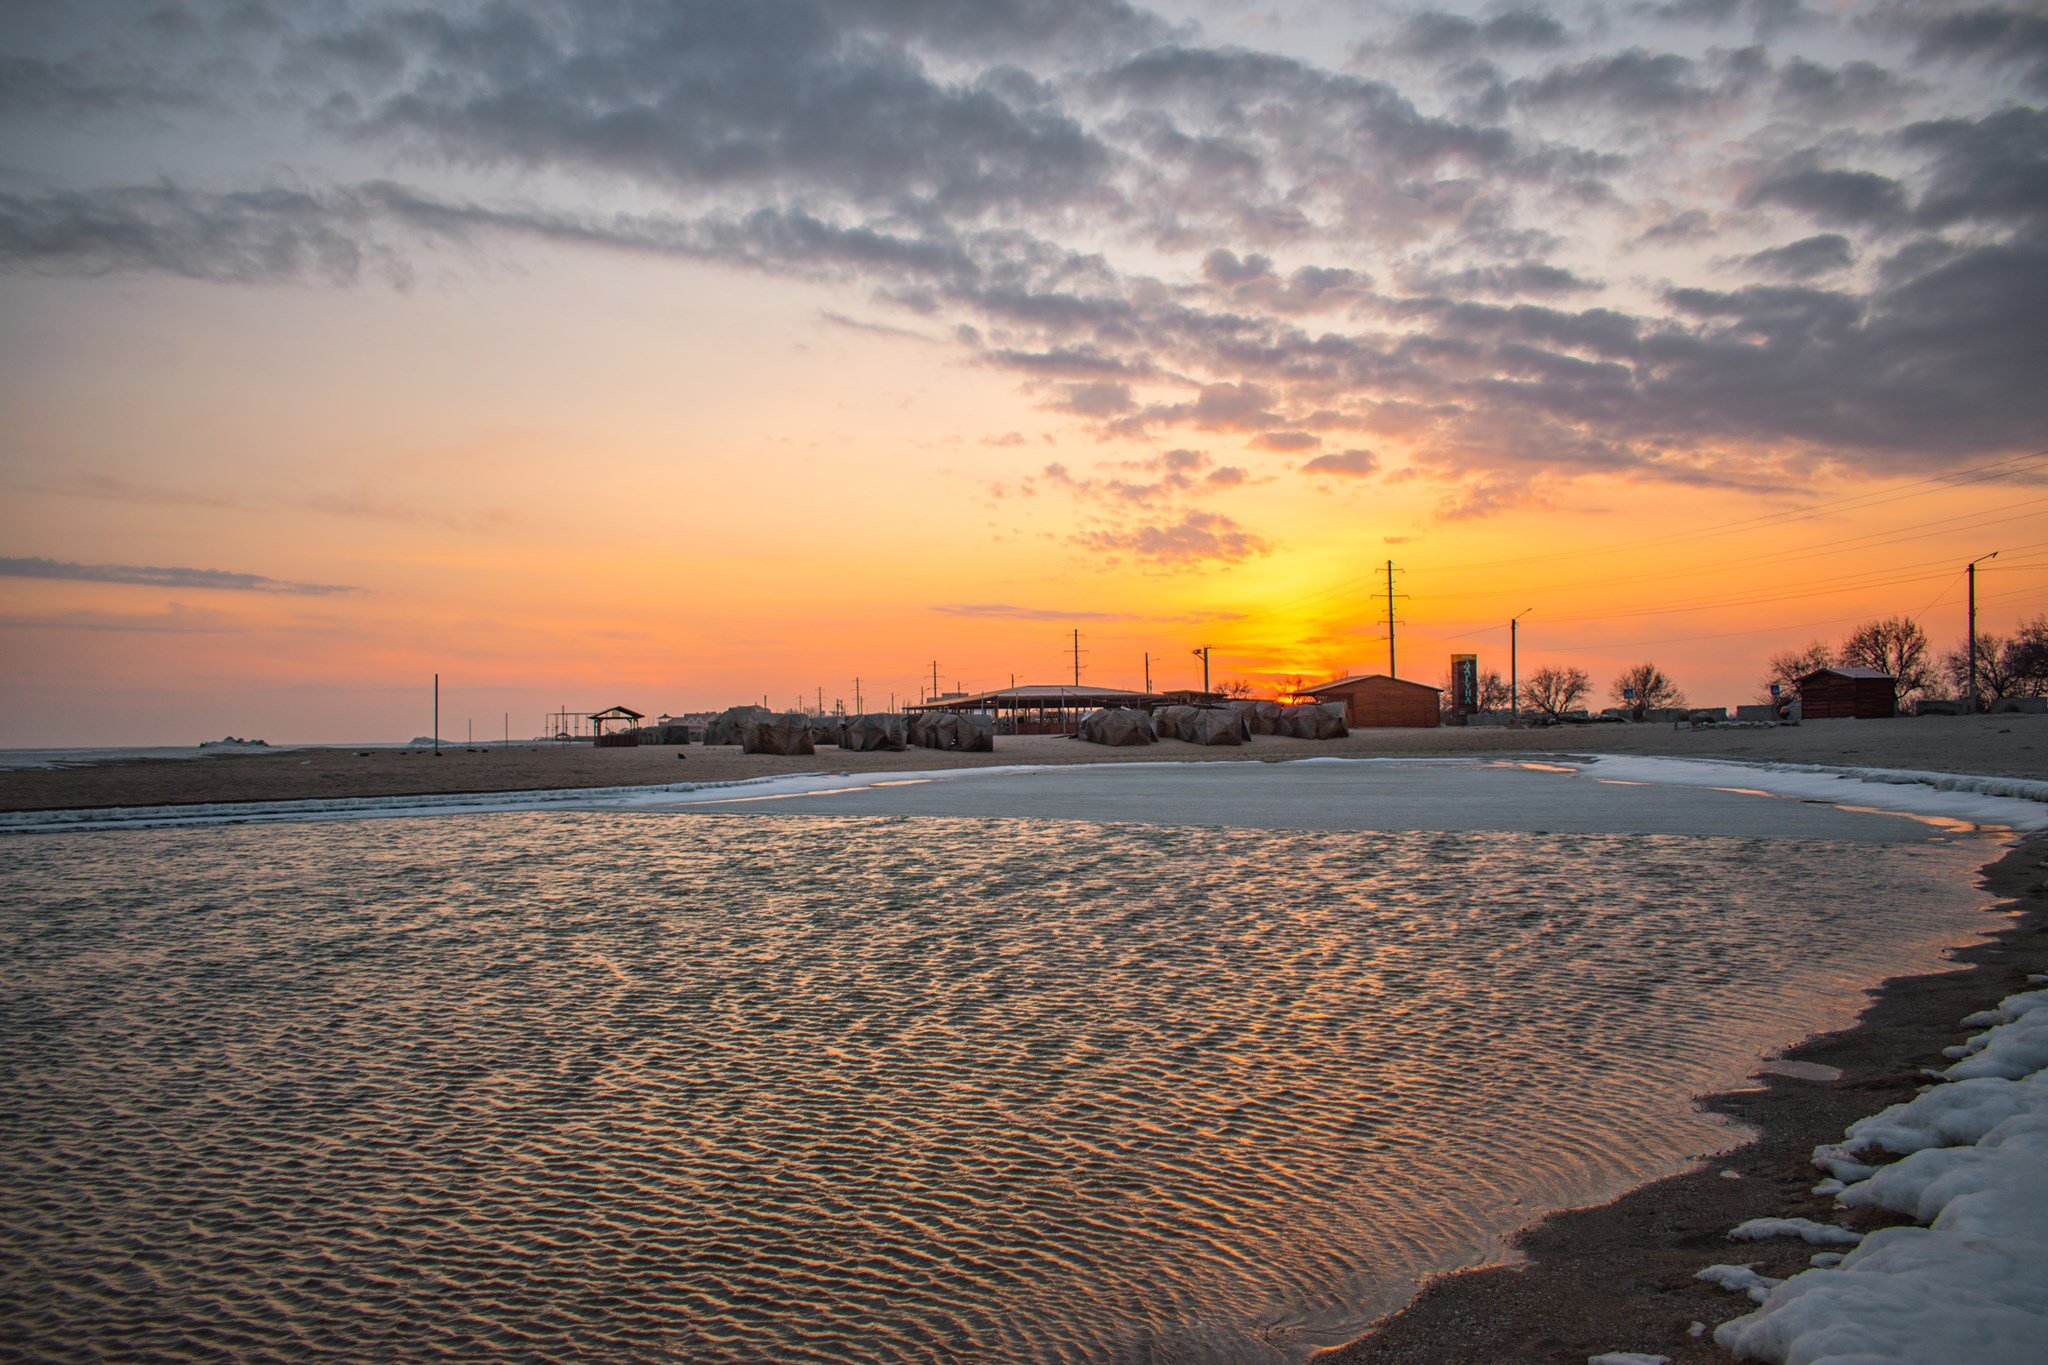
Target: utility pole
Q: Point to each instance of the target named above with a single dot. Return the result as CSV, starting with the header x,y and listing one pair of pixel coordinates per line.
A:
x,y
1971,570
821,701
935,679
1514,670
1203,653
1392,672
1077,658
856,698
437,715
1148,670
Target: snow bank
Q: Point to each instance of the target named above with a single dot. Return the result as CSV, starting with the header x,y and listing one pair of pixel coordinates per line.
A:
x,y
1950,1115
2012,802
1970,1287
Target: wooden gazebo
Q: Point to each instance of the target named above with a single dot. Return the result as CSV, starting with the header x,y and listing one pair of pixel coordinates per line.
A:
x,y
627,736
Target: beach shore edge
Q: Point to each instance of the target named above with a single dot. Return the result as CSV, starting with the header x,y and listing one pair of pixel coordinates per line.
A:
x,y
1619,1276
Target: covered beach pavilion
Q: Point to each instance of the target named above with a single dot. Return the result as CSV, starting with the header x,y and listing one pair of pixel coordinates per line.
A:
x,y
1041,708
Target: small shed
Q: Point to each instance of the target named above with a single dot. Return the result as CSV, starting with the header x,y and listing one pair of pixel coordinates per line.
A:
x,y
1848,693
1376,701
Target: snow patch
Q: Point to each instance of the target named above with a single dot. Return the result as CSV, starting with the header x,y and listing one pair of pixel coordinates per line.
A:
x,y
1968,1287
1808,1231
1738,1279
2011,802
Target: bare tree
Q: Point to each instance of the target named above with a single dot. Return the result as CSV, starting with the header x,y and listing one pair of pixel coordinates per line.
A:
x,y
1895,645
2027,658
1554,691
1293,685
1643,689
1493,691
1994,677
1788,668
1236,687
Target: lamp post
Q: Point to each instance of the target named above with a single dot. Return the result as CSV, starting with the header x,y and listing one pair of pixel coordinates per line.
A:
x,y
1514,668
1971,638
1203,654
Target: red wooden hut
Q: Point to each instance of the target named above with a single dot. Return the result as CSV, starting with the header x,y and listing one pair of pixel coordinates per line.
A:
x,y
1375,700
1848,693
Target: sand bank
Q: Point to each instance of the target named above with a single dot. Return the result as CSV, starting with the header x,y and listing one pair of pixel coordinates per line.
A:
x,y
2011,746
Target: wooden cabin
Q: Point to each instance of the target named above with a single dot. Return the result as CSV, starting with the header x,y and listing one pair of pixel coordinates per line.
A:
x,y
1376,701
1848,693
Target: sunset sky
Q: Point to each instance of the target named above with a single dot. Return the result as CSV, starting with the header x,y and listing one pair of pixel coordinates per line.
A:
x,y
680,355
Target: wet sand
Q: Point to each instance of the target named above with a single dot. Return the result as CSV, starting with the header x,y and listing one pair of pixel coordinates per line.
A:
x,y
1619,1277
1615,1277
2004,746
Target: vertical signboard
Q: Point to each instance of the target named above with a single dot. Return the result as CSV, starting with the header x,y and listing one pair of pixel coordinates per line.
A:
x,y
1464,685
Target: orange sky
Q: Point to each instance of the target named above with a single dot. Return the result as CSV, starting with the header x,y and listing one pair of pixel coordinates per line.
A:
x,y
1631,345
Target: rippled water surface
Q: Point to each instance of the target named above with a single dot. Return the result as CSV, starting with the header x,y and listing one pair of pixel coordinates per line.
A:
x,y
714,1087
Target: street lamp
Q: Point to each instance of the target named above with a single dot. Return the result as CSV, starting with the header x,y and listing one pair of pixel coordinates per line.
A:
x,y
1514,669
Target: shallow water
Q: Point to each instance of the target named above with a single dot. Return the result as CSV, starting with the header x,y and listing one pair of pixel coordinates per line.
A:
x,y
865,1088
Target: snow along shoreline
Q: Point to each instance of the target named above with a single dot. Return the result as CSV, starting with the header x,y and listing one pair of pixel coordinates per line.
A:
x,y
2009,803
1967,1287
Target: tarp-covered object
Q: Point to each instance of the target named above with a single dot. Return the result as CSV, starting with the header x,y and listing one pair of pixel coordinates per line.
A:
x,y
725,729
1316,720
786,734
863,734
1210,725
826,730
1260,717
958,731
1119,727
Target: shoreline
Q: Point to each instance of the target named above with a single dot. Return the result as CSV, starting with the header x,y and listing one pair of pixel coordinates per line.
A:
x,y
1620,1276
1990,746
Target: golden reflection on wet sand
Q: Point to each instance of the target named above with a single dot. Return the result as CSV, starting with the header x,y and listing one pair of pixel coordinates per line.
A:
x,y
834,1088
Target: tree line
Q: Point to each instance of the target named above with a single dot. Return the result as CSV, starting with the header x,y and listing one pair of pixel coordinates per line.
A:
x,y
2014,665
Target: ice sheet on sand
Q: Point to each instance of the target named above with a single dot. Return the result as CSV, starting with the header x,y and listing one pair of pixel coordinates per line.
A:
x,y
2016,803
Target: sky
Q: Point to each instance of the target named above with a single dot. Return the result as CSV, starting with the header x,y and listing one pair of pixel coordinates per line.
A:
x,y
693,354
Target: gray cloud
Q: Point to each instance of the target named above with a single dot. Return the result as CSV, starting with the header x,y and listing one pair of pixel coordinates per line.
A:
x,y
160,577
255,237
1198,537
1437,33
1002,611
1635,81
1805,258
1999,35
1841,197
1348,463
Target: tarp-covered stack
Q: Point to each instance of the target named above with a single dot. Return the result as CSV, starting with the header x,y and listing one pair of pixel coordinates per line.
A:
x,y
958,731
1119,727
1315,720
786,734
864,734
725,728
826,730
666,732
1207,724
1260,717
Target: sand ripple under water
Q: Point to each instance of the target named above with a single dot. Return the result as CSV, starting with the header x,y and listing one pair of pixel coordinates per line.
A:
x,y
816,1088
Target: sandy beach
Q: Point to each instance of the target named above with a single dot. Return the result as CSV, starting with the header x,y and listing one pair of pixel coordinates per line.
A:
x,y
2002,746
